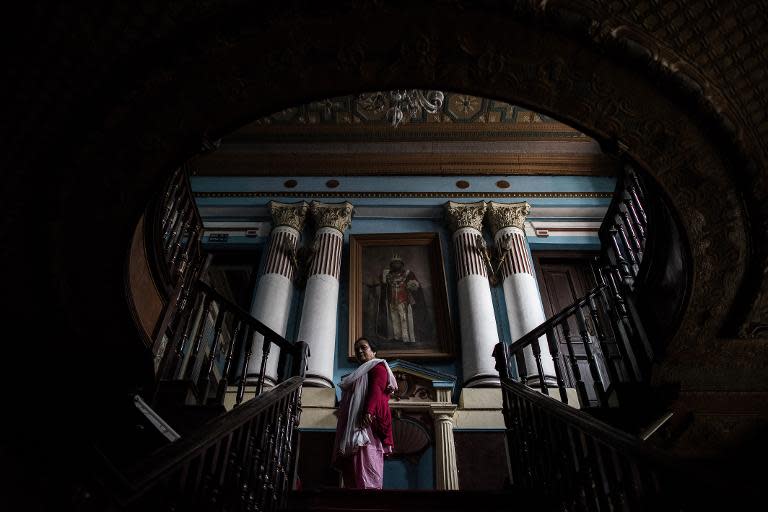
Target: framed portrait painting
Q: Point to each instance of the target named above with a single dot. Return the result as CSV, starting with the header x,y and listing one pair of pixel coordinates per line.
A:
x,y
397,295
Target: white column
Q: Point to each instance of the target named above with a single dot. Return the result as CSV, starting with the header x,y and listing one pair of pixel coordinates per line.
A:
x,y
272,300
321,297
521,293
476,317
446,470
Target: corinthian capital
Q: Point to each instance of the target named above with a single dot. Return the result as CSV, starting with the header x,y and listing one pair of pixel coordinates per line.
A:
x,y
465,215
503,215
337,216
288,214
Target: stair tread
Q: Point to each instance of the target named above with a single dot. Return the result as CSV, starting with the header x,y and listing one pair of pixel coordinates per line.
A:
x,y
329,500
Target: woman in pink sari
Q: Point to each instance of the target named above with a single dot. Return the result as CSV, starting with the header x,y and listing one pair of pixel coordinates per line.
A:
x,y
364,429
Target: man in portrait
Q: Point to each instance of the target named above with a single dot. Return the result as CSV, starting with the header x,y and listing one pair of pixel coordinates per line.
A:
x,y
401,300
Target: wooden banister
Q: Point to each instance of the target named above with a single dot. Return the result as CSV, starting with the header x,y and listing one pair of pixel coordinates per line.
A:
x,y
246,317
243,460
589,465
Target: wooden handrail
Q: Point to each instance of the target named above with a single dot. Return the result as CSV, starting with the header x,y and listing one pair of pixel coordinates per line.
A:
x,y
192,348
541,330
174,230
604,433
245,316
603,322
243,460
589,465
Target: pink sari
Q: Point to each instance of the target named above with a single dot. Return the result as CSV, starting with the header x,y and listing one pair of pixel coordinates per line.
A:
x,y
359,452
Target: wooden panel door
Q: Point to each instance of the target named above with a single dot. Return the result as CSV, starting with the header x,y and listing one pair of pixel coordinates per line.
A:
x,y
562,281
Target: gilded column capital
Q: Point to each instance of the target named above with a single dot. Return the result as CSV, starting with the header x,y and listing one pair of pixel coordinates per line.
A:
x,y
333,215
504,215
465,215
288,214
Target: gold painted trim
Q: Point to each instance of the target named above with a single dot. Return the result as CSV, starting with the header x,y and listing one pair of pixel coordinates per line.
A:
x,y
418,195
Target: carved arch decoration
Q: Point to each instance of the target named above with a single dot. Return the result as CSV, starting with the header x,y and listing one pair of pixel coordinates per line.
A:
x,y
607,68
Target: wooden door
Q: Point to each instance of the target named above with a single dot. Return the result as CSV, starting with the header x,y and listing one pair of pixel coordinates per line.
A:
x,y
563,279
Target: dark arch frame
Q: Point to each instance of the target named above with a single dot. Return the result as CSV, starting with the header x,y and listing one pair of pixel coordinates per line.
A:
x,y
218,69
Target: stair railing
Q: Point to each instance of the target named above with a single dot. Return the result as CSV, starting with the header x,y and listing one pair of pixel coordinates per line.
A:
x,y
599,319
176,230
625,230
558,449
212,345
243,460
584,463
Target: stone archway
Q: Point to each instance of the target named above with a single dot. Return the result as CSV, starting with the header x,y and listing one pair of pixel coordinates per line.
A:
x,y
217,69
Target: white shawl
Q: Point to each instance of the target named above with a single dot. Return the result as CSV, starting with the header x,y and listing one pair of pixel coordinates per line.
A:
x,y
355,436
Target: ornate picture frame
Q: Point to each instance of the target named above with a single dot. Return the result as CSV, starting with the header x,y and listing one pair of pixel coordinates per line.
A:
x,y
398,297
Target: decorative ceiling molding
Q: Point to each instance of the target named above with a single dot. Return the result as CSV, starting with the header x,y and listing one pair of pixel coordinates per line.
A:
x,y
382,132
456,109
313,164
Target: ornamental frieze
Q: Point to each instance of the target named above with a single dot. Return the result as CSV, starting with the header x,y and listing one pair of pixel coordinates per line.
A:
x,y
289,214
337,216
465,215
503,215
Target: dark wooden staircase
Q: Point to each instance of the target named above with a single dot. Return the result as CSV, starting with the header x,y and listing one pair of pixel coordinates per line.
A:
x,y
332,500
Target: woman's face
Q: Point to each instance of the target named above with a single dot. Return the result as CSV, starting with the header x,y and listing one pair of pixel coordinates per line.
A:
x,y
363,351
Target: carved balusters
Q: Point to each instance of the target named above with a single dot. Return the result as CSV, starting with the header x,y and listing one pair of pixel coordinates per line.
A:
x,y
636,246
512,434
554,350
622,263
178,229
176,242
539,367
581,387
234,343
207,369
628,227
248,342
591,357
642,217
172,366
180,218
185,252
265,349
224,472
600,332
187,371
526,448
612,475
170,198
627,248
634,217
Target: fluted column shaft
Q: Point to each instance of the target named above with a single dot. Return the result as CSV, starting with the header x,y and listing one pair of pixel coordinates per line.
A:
x,y
525,310
321,297
476,316
274,291
446,470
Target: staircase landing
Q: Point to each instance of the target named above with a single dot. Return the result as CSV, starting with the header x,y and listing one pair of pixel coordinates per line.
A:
x,y
330,500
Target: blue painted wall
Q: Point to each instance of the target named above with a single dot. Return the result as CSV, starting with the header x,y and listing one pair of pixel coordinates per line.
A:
x,y
431,186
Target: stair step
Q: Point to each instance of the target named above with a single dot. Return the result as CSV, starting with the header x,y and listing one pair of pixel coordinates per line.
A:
x,y
416,500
